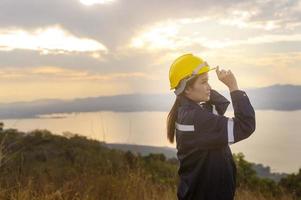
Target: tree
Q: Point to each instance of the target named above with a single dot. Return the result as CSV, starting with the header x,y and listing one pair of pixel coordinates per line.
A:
x,y
1,126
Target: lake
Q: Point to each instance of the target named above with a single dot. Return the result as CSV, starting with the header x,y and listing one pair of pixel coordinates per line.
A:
x,y
276,141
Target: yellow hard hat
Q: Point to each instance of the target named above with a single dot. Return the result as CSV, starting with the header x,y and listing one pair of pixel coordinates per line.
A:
x,y
185,68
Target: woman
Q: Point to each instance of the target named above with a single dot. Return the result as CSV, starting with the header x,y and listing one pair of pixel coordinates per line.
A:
x,y
203,134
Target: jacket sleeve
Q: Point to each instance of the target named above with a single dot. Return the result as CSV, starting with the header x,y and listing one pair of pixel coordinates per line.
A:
x,y
215,130
217,104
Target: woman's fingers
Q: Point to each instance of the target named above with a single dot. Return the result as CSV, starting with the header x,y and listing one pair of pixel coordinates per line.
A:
x,y
227,77
222,74
217,70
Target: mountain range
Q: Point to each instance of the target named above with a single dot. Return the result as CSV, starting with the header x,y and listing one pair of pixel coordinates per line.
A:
x,y
275,97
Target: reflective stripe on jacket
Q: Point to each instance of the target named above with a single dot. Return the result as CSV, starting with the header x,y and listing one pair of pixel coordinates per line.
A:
x,y
203,134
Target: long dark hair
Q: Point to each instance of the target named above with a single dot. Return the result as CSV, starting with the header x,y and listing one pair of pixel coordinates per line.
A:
x,y
173,113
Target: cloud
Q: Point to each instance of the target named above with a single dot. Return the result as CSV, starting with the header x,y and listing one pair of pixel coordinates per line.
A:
x,y
173,35
115,40
48,40
118,21
58,73
113,23
164,35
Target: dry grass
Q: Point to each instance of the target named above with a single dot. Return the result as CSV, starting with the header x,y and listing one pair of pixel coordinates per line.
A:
x,y
131,187
245,194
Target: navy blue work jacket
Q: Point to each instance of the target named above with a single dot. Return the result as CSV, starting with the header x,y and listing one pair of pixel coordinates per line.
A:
x,y
207,170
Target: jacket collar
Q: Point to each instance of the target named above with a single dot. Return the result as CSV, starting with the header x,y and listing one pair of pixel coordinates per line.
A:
x,y
220,102
187,101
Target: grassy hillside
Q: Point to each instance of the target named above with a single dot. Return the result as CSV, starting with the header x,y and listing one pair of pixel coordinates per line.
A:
x,y
169,152
40,165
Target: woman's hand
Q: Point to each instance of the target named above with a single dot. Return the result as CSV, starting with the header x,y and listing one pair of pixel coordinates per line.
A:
x,y
228,78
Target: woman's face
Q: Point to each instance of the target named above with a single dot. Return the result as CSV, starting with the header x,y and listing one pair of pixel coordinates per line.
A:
x,y
200,91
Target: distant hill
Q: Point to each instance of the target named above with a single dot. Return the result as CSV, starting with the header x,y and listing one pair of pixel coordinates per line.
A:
x,y
275,97
265,172
143,149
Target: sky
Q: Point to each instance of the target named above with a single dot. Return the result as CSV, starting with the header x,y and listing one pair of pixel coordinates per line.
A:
x,y
80,48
